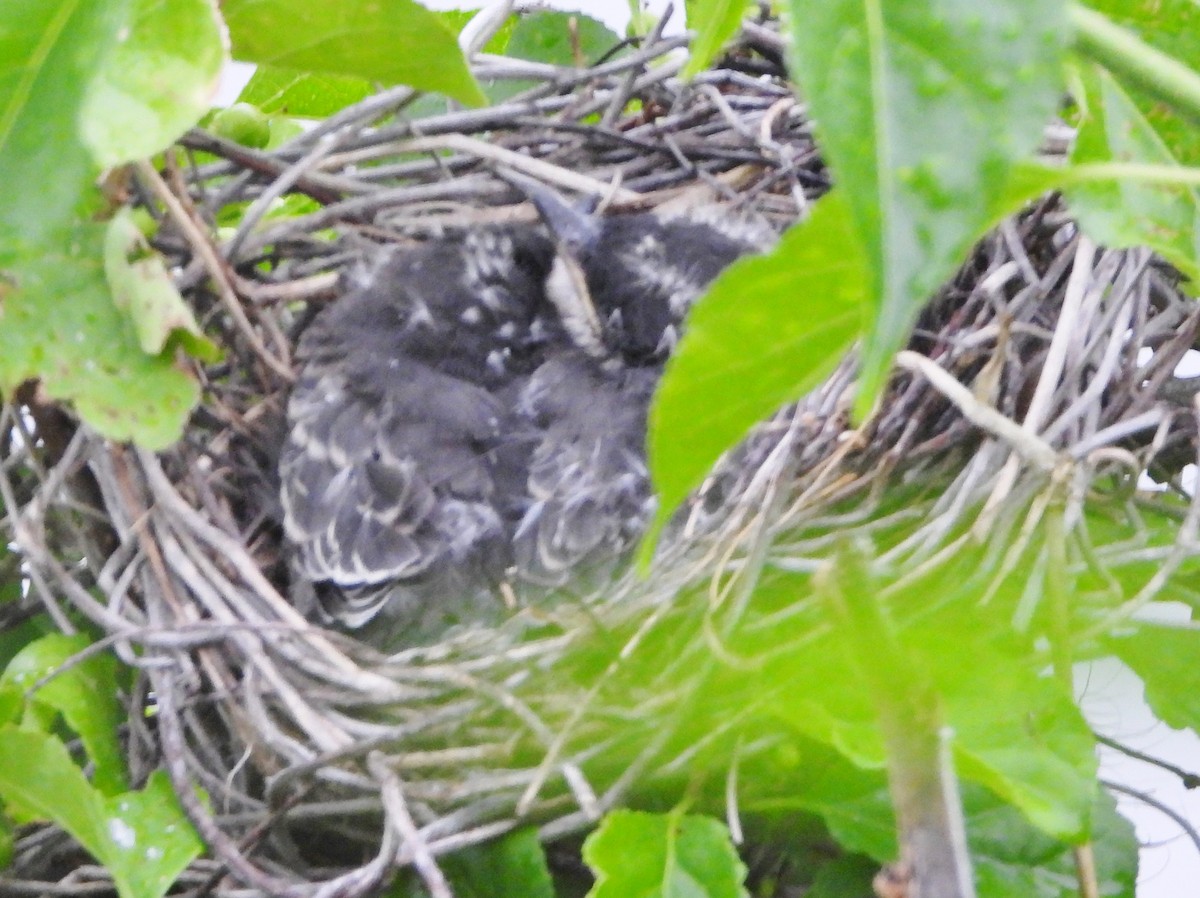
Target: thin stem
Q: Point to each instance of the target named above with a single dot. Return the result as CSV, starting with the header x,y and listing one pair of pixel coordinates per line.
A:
x,y
1120,50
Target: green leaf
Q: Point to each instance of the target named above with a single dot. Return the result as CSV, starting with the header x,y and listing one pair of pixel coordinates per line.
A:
x,y
1136,63
6,841
1121,211
49,53
150,840
561,38
769,329
393,41
12,700
39,781
1116,846
159,78
825,700
1165,658
457,19
663,856
143,289
283,129
514,863
854,803
1172,26
555,38
60,324
24,629
1019,734
141,837
922,110
1016,730
273,89
84,694
1154,530
1013,860
848,875
715,22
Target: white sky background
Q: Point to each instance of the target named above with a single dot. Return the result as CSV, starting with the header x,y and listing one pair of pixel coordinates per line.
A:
x,y
1111,694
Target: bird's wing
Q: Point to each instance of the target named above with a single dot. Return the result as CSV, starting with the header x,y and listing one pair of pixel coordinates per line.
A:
x,y
385,471
587,483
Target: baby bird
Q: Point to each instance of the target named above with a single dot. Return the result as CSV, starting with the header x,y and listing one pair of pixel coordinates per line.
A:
x,y
474,414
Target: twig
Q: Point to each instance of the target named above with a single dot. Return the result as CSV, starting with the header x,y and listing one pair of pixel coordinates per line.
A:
x,y
1187,778
1025,442
399,817
1150,801
216,269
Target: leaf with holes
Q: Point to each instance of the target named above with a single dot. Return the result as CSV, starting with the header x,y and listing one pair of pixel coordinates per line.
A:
x,y
60,325
143,289
142,837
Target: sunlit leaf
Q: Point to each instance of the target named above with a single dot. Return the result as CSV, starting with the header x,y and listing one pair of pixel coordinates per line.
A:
x,y
392,41
159,78
304,94
1172,27
61,325
85,695
150,840
143,289
1124,212
1166,658
715,22
770,328
141,837
922,109
49,53
663,856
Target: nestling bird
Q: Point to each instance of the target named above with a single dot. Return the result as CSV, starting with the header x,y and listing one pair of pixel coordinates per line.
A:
x,y
474,412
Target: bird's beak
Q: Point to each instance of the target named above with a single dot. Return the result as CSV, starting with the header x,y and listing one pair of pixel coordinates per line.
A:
x,y
567,288
574,231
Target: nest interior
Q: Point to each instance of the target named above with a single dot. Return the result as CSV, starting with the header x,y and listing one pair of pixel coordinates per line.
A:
x,y
328,765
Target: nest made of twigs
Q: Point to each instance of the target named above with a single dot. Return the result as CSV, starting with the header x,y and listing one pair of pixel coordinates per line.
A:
x,y
328,765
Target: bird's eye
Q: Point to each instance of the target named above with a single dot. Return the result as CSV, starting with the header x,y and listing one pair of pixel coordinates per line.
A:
x,y
530,261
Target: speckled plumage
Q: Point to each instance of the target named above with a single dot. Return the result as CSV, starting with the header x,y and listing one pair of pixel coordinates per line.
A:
x,y
449,430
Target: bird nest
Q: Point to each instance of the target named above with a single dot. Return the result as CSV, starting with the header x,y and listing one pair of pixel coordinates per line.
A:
x,y
328,765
